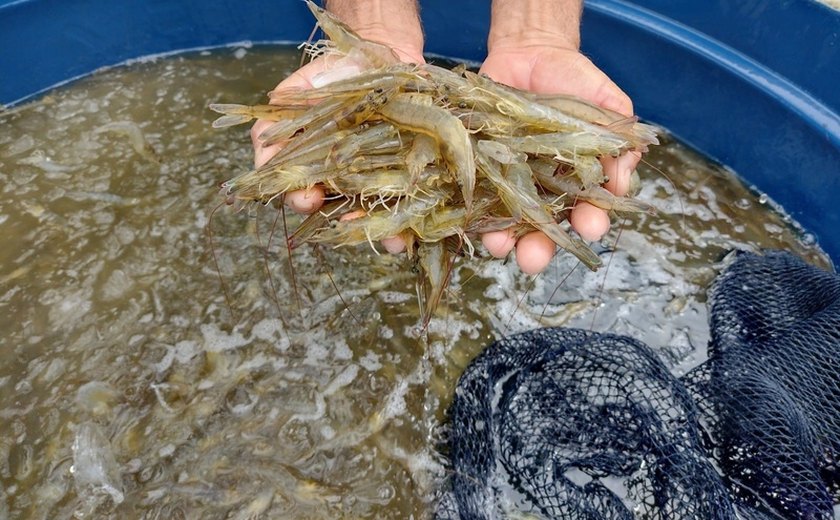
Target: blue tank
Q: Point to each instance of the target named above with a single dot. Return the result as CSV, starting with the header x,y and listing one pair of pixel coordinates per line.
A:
x,y
751,84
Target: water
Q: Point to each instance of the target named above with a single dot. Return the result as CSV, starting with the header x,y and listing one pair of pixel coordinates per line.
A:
x,y
132,387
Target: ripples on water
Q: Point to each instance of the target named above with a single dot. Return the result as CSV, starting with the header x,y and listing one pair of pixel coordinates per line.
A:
x,y
130,388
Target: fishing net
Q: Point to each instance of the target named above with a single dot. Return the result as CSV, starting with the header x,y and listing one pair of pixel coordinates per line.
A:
x,y
564,423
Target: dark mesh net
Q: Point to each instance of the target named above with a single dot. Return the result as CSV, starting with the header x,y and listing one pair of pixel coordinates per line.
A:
x,y
562,423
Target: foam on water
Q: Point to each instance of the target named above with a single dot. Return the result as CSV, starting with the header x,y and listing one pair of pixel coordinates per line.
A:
x,y
133,386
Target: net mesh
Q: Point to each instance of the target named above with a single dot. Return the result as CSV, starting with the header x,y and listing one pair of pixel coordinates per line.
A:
x,y
565,423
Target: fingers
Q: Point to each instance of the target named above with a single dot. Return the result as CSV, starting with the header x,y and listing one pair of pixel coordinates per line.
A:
x,y
306,201
619,169
534,251
591,223
499,243
393,245
262,153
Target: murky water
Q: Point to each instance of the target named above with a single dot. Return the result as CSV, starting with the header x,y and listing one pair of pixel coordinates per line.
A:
x,y
132,387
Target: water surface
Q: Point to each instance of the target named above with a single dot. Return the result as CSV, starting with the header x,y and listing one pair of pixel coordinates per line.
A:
x,y
132,386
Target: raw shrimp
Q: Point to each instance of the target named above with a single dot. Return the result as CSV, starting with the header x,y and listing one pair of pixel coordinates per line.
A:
x,y
451,136
424,151
434,156
346,42
520,194
238,114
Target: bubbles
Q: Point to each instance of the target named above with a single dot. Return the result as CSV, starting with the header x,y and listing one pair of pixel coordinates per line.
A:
x,y
121,340
95,469
743,203
808,239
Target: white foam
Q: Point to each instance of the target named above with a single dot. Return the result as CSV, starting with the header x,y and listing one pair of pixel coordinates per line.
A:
x,y
216,340
344,378
94,468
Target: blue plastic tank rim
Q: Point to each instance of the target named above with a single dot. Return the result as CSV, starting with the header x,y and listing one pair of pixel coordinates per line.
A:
x,y
805,106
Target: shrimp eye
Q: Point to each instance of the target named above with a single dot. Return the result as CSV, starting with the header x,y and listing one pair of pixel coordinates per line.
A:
x,y
379,90
462,104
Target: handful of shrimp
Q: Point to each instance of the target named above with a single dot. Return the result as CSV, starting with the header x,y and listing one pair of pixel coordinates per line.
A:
x,y
433,155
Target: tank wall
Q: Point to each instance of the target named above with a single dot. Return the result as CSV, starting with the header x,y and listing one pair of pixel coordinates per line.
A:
x,y
750,84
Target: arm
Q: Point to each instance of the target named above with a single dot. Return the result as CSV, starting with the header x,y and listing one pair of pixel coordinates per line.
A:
x,y
534,45
535,22
394,22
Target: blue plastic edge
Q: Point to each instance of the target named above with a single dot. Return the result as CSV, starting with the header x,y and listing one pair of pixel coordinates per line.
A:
x,y
752,85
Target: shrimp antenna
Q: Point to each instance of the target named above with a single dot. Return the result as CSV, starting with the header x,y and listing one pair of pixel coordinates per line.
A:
x,y
673,185
332,281
607,271
266,250
308,44
521,299
292,276
557,288
209,229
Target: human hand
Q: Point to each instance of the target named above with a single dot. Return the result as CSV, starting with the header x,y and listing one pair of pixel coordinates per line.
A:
x,y
547,61
402,33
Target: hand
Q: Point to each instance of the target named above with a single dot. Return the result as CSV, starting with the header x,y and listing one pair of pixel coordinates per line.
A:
x,y
402,33
555,69
533,45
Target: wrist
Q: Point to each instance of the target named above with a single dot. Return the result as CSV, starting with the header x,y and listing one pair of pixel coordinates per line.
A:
x,y
535,23
395,23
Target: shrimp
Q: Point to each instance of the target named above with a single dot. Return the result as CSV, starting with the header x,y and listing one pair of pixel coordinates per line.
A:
x,y
356,85
424,151
372,139
320,220
364,163
284,129
640,134
520,195
346,42
266,183
442,223
316,150
347,114
488,123
387,183
434,263
135,136
567,146
595,195
501,152
590,171
512,102
410,113
378,224
238,114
